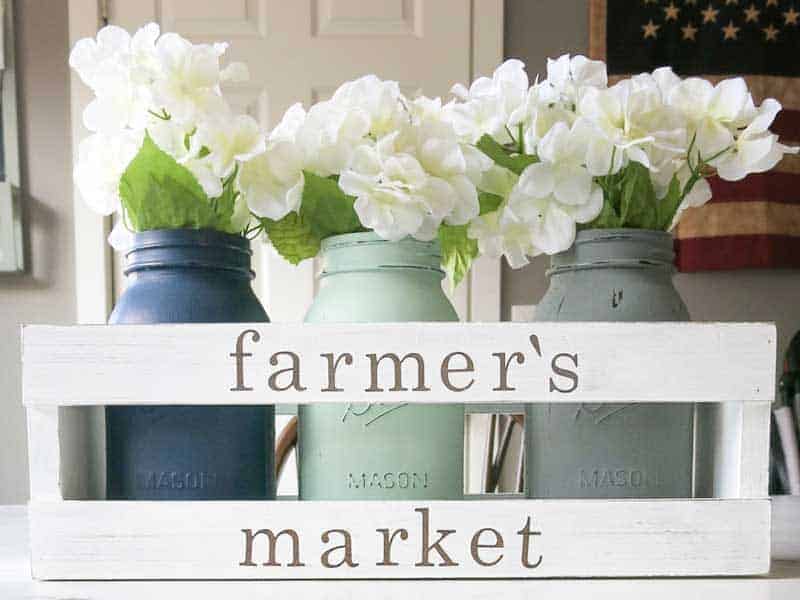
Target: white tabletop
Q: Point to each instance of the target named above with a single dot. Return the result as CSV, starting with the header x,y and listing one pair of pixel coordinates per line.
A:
x,y
16,584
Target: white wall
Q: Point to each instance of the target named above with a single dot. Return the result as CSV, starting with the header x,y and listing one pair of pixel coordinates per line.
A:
x,y
45,293
541,28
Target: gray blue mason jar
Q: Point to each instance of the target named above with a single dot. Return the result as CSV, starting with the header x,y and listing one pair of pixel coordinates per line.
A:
x,y
380,451
611,450
185,452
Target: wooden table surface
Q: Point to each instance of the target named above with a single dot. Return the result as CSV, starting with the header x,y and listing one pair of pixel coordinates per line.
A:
x,y
15,584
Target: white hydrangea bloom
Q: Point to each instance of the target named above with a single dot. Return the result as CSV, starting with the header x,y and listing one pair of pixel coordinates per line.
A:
x,y
119,69
379,102
171,137
389,192
756,149
567,76
190,78
502,234
631,119
697,196
272,182
169,87
102,159
329,136
554,100
203,170
230,139
488,104
456,167
713,113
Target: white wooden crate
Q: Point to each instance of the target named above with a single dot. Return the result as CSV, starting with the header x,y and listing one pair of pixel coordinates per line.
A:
x,y
69,373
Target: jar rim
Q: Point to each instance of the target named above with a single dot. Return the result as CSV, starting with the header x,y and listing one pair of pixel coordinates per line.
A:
x,y
359,238
341,254
189,249
165,238
622,248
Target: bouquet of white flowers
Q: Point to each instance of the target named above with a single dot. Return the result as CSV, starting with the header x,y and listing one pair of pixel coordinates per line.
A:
x,y
165,147
367,159
570,151
504,169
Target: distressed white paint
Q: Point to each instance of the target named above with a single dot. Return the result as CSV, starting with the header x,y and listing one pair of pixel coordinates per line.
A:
x,y
192,364
783,582
731,364
786,528
178,540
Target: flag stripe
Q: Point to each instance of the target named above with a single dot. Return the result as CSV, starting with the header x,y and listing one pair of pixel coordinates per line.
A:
x,y
737,252
775,186
787,125
740,218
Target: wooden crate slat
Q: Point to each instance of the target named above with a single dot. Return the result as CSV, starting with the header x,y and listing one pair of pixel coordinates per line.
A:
x,y
44,453
184,540
192,364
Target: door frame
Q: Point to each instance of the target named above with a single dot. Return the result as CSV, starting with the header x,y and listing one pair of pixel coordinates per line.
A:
x,y
94,277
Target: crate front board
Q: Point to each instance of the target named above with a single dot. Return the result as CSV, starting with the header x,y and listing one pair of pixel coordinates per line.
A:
x,y
69,373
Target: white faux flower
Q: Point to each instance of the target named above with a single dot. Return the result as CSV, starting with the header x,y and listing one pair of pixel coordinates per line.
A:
x,y
171,136
119,69
90,55
502,233
488,104
553,195
568,76
561,171
630,118
697,196
378,100
329,136
389,193
756,149
230,139
272,182
102,159
713,113
203,171
190,77
455,167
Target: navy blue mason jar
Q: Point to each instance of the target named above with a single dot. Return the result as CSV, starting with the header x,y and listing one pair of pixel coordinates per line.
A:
x,y
186,452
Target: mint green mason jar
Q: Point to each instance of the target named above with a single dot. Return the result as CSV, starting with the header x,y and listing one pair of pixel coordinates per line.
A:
x,y
379,451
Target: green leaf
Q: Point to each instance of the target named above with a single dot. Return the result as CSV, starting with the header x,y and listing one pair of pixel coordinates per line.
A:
x,y
489,202
326,209
607,219
669,204
638,205
159,193
458,252
505,158
224,206
292,237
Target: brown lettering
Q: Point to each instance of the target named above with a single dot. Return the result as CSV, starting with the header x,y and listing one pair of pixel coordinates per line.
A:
x,y
347,547
447,369
374,361
476,545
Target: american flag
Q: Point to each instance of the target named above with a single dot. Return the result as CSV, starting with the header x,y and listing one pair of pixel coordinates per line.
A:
x,y
751,223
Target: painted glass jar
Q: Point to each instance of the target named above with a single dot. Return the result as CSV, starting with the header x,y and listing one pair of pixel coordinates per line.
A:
x,y
611,450
189,452
380,451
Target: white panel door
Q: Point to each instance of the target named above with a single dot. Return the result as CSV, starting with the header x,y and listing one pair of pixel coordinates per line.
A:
x,y
301,50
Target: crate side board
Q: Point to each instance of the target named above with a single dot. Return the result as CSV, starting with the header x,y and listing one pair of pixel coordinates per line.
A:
x,y
565,538
452,362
